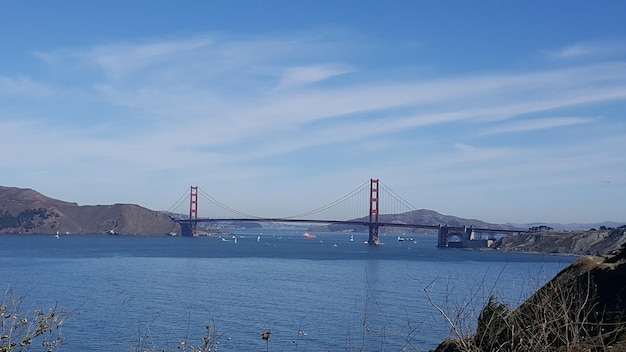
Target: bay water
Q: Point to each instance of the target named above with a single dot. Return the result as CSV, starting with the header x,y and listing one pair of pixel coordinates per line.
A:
x,y
330,293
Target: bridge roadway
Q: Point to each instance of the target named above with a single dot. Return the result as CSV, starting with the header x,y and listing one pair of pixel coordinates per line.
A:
x,y
353,222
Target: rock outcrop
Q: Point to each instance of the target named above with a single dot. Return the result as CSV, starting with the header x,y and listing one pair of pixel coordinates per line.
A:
x,y
577,242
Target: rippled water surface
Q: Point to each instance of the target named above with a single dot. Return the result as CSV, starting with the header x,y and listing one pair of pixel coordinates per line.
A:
x,y
323,294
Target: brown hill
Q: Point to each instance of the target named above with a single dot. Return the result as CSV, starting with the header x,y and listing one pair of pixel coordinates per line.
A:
x,y
14,199
431,217
27,211
422,217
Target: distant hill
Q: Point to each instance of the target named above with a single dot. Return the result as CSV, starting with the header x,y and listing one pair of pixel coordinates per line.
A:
x,y
422,216
27,211
574,226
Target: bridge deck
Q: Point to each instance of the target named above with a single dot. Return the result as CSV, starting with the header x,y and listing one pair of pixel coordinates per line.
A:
x,y
350,222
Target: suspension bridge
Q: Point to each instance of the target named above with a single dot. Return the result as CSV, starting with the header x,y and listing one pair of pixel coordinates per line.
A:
x,y
372,205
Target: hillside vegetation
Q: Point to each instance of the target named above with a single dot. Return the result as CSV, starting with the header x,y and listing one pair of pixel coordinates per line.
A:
x,y
581,309
27,211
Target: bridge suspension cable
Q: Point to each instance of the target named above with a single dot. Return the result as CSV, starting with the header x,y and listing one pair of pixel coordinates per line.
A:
x,y
397,204
353,205
184,198
227,208
391,204
359,190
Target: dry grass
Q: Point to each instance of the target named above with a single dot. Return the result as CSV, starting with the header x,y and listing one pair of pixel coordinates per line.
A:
x,y
19,331
582,309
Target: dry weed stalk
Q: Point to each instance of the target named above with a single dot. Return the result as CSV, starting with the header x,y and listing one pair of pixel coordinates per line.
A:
x,y
563,316
19,330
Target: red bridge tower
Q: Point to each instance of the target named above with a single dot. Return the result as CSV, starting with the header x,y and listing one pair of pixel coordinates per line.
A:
x,y
373,219
193,210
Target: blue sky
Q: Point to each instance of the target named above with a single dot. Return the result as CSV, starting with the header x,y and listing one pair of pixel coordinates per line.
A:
x,y
495,110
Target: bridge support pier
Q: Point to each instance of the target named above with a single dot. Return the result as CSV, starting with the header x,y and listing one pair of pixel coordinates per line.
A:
x,y
186,229
442,236
373,237
468,234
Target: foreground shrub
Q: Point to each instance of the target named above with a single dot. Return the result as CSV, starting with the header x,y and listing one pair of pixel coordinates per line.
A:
x,y
582,309
23,331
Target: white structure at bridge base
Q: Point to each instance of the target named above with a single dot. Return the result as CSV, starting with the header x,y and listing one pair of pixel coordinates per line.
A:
x,y
455,237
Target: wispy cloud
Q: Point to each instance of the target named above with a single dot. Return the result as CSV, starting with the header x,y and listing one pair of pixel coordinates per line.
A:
x,y
24,87
123,60
249,108
537,124
303,75
590,50
154,82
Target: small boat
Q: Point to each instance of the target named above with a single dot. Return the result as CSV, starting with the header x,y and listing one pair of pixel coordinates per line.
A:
x,y
308,235
351,238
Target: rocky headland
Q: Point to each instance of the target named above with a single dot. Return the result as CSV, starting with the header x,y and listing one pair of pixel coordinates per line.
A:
x,y
25,211
592,242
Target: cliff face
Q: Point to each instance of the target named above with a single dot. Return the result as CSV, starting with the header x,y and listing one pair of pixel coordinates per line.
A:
x,y
578,243
27,211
